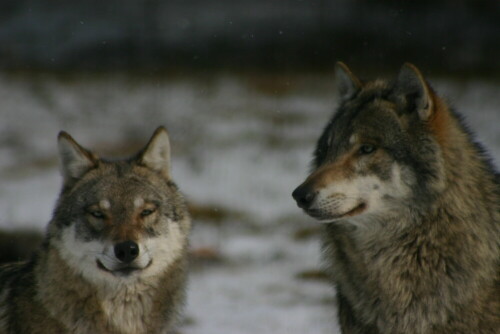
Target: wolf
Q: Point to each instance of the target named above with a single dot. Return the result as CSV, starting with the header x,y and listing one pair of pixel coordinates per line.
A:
x,y
412,210
114,256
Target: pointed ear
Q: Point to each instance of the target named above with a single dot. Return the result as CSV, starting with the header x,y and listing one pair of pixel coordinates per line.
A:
x,y
414,90
156,154
347,83
75,160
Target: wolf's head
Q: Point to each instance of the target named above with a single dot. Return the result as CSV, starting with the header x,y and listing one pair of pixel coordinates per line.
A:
x,y
379,152
119,219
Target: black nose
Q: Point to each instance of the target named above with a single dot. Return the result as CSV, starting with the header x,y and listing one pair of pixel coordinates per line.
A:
x,y
304,196
126,251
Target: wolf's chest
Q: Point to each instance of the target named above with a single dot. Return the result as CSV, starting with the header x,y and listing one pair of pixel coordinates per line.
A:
x,y
352,276
129,310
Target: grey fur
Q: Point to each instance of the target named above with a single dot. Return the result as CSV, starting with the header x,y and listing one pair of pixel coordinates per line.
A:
x,y
428,261
85,289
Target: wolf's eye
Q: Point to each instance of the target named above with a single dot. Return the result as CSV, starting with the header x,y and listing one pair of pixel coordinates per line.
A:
x,y
97,214
147,212
367,149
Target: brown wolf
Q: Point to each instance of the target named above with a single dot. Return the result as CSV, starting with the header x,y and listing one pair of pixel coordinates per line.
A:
x,y
114,256
413,211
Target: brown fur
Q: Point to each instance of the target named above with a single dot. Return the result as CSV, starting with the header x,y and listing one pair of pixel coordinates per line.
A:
x,y
332,172
441,123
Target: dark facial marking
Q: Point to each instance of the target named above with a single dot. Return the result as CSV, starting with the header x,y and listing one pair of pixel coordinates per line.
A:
x,y
152,232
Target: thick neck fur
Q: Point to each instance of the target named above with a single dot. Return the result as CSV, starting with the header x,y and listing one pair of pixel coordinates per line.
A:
x,y
144,306
469,190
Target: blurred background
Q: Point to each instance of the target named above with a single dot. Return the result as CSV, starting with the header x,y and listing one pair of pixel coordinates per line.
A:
x,y
244,88
286,35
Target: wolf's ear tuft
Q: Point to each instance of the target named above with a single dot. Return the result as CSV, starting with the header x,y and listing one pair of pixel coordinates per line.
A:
x,y
75,160
347,83
156,154
412,87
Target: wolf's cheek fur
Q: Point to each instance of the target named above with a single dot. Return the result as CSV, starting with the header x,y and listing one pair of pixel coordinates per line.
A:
x,y
167,248
360,195
80,255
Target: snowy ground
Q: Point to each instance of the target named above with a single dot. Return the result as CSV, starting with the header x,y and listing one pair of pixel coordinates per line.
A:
x,y
240,146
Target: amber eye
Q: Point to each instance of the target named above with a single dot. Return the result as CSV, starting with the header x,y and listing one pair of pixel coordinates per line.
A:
x,y
367,149
147,212
97,214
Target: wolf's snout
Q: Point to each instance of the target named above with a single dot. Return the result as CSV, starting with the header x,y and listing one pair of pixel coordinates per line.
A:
x,y
304,196
126,251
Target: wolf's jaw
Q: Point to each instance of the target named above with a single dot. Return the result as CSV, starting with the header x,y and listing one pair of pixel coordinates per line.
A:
x,y
358,209
124,271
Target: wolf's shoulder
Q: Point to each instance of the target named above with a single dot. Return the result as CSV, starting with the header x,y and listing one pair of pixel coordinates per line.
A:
x,y
19,272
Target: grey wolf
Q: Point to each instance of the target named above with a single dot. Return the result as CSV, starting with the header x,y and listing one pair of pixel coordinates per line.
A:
x,y
412,206
114,256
